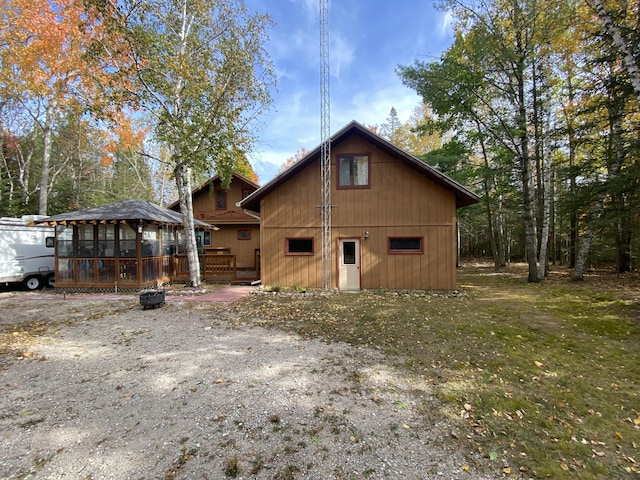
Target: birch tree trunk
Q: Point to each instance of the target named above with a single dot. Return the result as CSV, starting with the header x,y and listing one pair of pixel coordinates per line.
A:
x,y
490,217
613,172
47,131
628,57
183,182
528,197
546,202
183,170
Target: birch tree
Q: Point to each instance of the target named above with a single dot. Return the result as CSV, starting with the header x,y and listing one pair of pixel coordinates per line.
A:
x,y
626,46
485,77
203,76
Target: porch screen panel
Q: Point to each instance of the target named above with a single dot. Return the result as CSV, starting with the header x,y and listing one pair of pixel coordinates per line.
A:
x,y
64,270
150,242
182,243
86,248
106,240
64,241
127,241
168,241
86,270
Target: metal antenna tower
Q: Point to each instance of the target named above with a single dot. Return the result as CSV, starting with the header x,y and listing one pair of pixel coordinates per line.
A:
x,y
325,145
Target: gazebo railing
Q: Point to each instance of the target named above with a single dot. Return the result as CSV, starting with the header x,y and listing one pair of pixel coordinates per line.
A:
x,y
111,272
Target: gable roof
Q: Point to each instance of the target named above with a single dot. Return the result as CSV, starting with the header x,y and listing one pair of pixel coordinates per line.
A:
x,y
464,196
176,205
130,210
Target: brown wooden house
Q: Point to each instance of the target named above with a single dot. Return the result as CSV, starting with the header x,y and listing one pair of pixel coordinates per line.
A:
x,y
237,234
126,245
393,219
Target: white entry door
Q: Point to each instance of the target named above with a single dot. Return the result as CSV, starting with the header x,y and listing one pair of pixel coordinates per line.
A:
x,y
349,264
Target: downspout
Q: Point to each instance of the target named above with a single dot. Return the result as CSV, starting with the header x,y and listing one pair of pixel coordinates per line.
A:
x,y
251,214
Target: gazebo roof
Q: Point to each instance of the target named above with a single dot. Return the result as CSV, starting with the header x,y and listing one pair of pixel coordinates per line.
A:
x,y
128,211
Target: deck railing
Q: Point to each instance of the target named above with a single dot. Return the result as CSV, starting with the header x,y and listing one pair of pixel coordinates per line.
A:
x,y
213,266
137,273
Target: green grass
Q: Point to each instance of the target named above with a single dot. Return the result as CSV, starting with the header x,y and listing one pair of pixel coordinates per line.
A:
x,y
544,377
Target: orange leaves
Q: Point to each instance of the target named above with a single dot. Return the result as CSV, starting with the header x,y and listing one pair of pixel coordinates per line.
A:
x,y
47,44
125,137
299,155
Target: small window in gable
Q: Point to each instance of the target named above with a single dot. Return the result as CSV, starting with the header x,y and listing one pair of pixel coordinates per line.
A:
x,y
300,246
353,171
406,245
221,200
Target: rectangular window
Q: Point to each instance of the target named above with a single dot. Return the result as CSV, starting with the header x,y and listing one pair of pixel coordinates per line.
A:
x,y
353,171
151,242
349,253
405,245
85,241
182,242
127,241
300,246
64,242
168,241
221,200
106,240
244,234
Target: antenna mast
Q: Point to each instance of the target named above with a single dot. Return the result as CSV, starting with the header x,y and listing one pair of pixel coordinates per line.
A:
x,y
325,145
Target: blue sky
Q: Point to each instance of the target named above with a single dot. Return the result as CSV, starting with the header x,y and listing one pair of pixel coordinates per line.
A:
x,y
369,39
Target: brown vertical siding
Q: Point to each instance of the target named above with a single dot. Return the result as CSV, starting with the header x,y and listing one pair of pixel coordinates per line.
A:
x,y
204,209
399,202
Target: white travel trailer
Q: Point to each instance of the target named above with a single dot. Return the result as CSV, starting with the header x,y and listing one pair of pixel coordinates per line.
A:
x,y
26,252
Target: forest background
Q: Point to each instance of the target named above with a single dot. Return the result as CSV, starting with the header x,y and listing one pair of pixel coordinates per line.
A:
x,y
534,106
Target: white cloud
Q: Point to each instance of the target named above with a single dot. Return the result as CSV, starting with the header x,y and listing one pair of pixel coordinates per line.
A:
x,y
445,23
341,54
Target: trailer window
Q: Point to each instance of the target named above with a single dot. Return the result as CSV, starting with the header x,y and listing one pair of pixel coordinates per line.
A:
x,y
49,242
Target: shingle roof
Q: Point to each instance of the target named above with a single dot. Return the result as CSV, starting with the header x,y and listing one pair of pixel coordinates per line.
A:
x,y
463,195
131,210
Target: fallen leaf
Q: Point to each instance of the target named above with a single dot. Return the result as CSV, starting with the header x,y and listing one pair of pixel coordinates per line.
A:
x,y
506,470
539,364
465,468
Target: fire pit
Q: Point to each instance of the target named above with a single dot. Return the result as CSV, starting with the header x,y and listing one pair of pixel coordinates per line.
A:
x,y
152,299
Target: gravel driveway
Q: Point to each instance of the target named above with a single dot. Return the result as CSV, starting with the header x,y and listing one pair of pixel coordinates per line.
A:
x,y
109,391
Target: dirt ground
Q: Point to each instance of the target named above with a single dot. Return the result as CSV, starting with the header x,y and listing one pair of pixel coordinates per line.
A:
x,y
102,389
